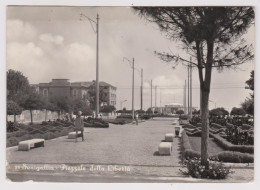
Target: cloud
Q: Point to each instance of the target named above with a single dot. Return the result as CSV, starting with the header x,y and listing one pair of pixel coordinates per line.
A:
x,y
18,30
49,38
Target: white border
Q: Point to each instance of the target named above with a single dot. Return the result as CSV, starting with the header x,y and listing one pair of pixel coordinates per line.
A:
x,y
4,3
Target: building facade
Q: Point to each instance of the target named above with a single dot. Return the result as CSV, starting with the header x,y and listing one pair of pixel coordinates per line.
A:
x,y
76,90
109,93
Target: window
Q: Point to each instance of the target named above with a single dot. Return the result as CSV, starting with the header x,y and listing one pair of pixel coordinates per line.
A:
x,y
45,92
74,92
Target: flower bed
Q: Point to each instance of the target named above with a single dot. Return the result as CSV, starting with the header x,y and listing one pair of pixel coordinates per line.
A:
x,y
26,132
224,156
213,171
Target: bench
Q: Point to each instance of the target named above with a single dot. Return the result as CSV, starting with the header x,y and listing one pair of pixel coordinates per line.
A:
x,y
165,148
169,137
32,143
72,135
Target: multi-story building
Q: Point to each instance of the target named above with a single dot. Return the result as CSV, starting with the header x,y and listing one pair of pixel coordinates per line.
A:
x,y
76,90
110,93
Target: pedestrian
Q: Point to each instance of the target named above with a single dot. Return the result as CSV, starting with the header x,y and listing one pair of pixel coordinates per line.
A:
x,y
136,118
79,125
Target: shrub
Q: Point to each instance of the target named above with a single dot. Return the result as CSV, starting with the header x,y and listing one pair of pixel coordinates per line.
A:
x,y
12,141
25,137
38,136
48,135
214,171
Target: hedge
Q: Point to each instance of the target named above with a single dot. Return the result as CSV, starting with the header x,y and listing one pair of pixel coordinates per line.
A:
x,y
187,151
188,126
234,157
217,126
229,146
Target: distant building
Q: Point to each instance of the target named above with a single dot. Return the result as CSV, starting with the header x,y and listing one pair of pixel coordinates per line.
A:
x,y
171,108
76,90
110,93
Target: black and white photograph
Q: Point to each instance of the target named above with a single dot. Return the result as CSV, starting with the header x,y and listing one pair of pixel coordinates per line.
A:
x,y
130,94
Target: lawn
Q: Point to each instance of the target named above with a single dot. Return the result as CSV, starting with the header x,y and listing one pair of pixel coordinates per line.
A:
x,y
213,148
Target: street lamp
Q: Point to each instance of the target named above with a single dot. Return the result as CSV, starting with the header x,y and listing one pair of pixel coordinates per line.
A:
x,y
97,56
121,104
133,84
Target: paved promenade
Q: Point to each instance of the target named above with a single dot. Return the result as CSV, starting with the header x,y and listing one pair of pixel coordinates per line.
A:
x,y
120,153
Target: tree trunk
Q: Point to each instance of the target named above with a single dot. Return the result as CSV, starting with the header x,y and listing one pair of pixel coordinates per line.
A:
x,y
205,126
14,118
31,116
205,90
45,115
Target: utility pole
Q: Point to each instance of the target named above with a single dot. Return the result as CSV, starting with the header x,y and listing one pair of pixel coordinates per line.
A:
x,y
151,94
141,89
97,73
133,90
190,89
97,56
155,96
184,98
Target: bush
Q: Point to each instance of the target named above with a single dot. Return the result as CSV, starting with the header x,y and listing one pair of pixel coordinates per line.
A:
x,y
12,141
25,137
48,135
38,136
214,171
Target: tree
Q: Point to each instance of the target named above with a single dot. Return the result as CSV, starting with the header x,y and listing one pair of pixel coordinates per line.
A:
x,y
17,85
62,104
211,35
179,112
149,111
92,96
13,109
237,111
248,104
47,105
107,109
81,105
218,112
33,102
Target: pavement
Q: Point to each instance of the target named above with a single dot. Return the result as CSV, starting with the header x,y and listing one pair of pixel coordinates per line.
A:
x,y
120,153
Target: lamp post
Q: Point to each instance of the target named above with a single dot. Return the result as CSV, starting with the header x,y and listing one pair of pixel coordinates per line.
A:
x,y
133,84
97,56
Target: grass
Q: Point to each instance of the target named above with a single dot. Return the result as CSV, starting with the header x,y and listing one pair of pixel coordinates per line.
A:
x,y
213,148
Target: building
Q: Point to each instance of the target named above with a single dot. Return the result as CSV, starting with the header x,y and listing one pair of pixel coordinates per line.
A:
x,y
171,108
76,90
109,93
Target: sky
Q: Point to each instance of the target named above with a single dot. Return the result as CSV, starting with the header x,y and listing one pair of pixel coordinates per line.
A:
x,y
53,42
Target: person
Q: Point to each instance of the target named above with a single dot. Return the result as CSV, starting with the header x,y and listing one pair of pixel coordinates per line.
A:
x,y
136,118
79,125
